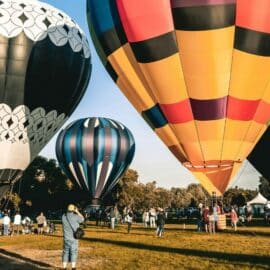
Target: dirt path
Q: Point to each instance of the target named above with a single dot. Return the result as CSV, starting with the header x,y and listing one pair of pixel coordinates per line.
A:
x,y
13,258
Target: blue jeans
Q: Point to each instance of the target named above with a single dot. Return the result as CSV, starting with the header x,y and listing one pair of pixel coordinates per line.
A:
x,y
199,225
6,229
70,251
160,229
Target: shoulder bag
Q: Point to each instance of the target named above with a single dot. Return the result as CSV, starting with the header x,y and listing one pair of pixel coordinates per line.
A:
x,y
79,233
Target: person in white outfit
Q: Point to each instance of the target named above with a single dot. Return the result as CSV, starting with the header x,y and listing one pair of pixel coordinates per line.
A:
x,y
6,224
152,217
17,223
145,218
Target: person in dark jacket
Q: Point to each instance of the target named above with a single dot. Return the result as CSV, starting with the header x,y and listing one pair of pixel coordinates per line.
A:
x,y
160,222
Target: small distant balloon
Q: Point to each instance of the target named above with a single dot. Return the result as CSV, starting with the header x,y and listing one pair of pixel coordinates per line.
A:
x,y
94,153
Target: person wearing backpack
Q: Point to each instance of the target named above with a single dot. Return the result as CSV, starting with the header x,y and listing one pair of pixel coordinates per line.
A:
x,y
71,221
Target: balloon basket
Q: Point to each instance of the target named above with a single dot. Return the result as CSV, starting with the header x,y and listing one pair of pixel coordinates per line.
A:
x,y
93,207
221,224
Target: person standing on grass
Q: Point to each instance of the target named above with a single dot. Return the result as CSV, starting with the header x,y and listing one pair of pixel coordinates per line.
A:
x,y
71,221
216,212
129,219
17,222
6,224
152,217
145,218
41,222
160,222
199,216
206,219
212,223
234,219
112,218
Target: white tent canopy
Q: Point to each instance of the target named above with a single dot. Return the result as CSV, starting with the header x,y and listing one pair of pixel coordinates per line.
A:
x,y
259,199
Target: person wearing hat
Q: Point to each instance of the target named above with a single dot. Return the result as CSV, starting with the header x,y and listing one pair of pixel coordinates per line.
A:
x,y
71,221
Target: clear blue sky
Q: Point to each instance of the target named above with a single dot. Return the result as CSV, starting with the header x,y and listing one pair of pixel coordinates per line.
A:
x,y
153,160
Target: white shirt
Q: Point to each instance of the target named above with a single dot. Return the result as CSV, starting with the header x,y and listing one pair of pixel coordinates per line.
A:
x,y
129,218
6,220
25,220
17,219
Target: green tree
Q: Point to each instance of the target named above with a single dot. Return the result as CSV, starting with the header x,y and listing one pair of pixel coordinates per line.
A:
x,y
125,191
44,187
238,196
163,197
264,187
197,194
180,198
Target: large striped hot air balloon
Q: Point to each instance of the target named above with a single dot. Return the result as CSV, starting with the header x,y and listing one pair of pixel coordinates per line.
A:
x,y
44,71
94,153
196,70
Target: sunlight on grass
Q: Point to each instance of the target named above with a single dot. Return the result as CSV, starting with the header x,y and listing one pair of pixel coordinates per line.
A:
x,y
102,248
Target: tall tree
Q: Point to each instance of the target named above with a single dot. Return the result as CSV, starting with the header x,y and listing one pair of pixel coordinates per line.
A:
x,y
264,187
43,187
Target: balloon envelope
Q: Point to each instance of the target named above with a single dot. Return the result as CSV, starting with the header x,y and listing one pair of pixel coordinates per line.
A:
x,y
94,153
44,71
259,157
197,71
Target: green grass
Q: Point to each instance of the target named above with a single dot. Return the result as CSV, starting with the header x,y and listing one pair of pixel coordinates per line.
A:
x,y
101,248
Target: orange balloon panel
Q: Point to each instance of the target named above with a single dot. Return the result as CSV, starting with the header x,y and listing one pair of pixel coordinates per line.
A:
x,y
197,71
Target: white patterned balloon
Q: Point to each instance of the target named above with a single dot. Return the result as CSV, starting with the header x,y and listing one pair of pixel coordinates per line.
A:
x,y
45,67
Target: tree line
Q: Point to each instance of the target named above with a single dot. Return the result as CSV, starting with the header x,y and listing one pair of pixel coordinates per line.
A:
x,y
44,187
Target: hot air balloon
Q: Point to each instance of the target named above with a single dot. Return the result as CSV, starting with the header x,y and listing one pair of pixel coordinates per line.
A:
x,y
196,70
45,68
94,153
259,155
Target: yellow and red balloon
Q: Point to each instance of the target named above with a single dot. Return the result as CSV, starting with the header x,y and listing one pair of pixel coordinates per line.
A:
x,y
197,71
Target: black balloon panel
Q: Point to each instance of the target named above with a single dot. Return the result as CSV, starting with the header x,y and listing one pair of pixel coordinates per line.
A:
x,y
259,157
55,76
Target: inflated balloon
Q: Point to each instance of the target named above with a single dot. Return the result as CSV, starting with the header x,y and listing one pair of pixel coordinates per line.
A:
x,y
197,71
259,155
44,71
94,153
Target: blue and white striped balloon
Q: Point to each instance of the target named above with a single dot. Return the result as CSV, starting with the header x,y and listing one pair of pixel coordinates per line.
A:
x,y
94,153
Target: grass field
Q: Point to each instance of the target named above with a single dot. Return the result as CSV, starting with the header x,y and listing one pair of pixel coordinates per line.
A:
x,y
101,248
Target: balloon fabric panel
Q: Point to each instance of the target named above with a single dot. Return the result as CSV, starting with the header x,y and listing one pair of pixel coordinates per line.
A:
x,y
66,73
194,75
258,157
44,55
95,152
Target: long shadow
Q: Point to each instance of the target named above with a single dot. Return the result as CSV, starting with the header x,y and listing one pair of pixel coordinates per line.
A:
x,y
25,260
166,228
117,230
249,233
234,258
254,233
7,263
125,233
231,257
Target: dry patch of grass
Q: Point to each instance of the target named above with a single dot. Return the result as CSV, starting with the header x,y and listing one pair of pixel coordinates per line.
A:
x,y
141,249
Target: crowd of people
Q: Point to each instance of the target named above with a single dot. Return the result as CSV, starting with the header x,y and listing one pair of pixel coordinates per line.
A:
x,y
16,224
208,218
112,217
153,218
